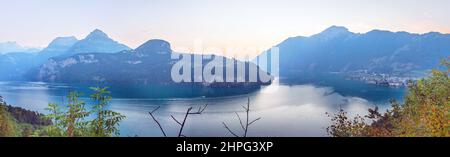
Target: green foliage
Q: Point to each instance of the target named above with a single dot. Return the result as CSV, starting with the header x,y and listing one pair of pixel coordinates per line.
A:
x,y
74,119
107,121
342,126
58,126
25,126
24,116
7,125
383,124
72,122
425,112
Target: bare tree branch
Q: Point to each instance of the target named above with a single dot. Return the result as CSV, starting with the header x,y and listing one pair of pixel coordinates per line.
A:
x,y
247,111
175,119
229,130
240,121
188,112
184,121
247,122
204,108
155,109
254,121
154,119
200,110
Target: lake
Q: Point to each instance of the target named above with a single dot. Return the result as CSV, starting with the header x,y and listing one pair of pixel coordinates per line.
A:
x,y
290,108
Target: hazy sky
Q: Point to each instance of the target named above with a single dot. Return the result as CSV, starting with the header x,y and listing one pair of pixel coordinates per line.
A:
x,y
224,24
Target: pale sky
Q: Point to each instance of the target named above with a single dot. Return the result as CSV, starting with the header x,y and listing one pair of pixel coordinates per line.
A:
x,y
221,24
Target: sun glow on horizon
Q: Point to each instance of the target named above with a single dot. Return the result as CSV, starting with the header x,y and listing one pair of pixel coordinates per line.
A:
x,y
252,25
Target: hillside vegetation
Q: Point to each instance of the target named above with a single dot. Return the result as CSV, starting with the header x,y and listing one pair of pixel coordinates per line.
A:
x,y
16,121
425,112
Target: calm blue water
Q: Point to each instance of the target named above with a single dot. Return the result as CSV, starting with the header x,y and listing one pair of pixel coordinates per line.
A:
x,y
291,108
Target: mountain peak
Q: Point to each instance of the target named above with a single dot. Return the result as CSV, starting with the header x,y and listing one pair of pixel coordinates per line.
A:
x,y
154,45
63,40
333,32
97,41
336,29
61,43
433,34
97,33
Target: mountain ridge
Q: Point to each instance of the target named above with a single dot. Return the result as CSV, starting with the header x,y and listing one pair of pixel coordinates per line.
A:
x,y
16,65
14,47
149,64
338,50
96,41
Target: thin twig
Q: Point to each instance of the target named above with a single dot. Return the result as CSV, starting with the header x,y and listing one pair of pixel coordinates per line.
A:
x,y
204,108
200,110
155,109
229,130
254,121
247,122
175,119
240,121
160,127
247,111
184,121
188,112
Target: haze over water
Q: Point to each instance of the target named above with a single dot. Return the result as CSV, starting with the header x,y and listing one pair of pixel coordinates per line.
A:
x,y
292,110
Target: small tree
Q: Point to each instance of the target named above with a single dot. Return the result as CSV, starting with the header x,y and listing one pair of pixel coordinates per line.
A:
x,y
107,121
57,117
72,122
76,126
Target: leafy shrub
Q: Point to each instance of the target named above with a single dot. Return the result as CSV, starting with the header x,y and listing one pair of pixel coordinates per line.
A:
x,y
425,112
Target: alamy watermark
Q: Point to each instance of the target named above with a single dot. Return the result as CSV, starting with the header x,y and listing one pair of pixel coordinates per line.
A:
x,y
218,69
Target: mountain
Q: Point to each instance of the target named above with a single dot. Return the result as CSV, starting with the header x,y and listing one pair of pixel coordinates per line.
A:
x,y
8,47
148,64
336,49
61,44
16,65
96,41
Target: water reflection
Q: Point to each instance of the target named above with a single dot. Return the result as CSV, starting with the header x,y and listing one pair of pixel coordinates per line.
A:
x,y
296,110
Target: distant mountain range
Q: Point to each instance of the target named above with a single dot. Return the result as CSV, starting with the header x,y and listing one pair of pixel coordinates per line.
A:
x,y
99,58
15,65
338,50
148,64
8,47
